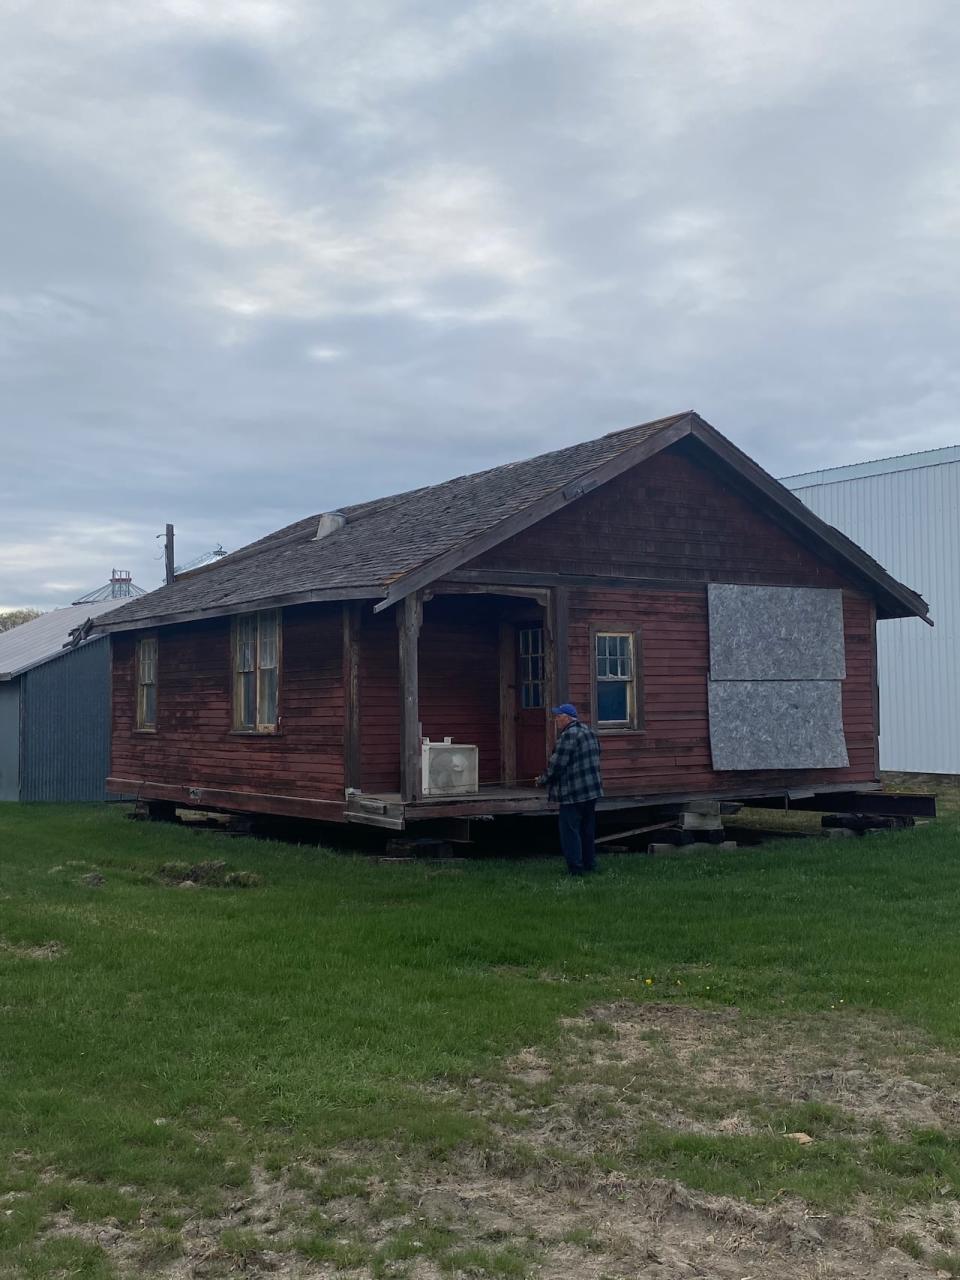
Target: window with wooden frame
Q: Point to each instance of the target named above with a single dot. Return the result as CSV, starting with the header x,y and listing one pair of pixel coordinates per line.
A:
x,y
256,672
617,690
147,683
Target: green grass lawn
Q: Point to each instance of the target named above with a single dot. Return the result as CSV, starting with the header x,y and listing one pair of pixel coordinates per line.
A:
x,y
157,1044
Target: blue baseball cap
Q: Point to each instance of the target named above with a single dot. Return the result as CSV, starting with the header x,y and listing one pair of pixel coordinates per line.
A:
x,y
564,709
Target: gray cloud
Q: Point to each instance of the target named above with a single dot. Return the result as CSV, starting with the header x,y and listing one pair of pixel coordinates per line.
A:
x,y
266,257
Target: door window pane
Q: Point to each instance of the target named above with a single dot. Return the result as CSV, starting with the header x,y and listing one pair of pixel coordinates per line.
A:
x,y
532,692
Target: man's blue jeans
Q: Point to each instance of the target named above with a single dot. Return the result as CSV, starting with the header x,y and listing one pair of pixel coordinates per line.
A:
x,y
578,826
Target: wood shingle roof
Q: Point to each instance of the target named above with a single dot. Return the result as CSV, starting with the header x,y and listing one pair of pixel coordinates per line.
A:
x,y
394,544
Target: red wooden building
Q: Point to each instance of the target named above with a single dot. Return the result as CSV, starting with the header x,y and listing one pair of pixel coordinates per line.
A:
x,y
299,675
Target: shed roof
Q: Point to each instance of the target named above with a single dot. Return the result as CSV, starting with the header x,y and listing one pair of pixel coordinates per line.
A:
x,y
945,456
392,546
33,643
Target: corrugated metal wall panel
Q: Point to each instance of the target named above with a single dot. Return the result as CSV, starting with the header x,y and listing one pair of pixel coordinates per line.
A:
x,y
65,720
10,740
909,520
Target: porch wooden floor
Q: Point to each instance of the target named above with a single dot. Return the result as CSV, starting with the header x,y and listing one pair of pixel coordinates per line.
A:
x,y
387,809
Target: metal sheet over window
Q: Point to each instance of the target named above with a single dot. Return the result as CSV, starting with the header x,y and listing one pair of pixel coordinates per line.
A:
x,y
777,724
775,633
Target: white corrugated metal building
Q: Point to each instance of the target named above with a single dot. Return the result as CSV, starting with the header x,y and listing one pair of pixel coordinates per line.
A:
x,y
905,512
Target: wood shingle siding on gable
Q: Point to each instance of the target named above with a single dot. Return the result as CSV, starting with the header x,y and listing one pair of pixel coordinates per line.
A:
x,y
672,520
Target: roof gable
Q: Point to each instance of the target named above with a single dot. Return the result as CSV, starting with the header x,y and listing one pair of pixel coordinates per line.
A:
x,y
391,547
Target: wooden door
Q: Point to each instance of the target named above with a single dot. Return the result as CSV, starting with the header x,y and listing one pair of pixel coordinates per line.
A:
x,y
531,717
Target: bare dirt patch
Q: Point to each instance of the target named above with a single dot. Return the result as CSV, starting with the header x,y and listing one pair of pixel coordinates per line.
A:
x,y
612,1229
547,1197
43,951
680,1064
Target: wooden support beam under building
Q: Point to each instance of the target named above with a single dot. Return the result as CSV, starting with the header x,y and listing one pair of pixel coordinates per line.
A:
x,y
409,621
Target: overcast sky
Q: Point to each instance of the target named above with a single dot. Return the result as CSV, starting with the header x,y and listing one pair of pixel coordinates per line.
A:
x,y
261,258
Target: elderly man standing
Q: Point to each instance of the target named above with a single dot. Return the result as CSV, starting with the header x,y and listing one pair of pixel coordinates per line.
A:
x,y
573,779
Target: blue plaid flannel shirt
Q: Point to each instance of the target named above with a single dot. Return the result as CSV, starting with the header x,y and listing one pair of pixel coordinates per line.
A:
x,y
573,773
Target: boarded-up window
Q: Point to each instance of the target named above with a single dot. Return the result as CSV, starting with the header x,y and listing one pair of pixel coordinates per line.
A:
x,y
776,666
147,682
775,633
256,672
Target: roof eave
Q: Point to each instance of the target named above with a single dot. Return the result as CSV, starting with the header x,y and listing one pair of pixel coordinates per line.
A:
x,y
329,595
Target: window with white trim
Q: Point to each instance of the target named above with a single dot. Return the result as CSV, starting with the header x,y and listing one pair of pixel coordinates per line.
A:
x,y
615,684
147,682
256,672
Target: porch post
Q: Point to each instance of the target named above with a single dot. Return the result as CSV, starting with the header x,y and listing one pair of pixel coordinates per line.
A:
x,y
409,619
561,644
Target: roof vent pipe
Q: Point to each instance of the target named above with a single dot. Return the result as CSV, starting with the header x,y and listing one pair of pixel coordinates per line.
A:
x,y
330,522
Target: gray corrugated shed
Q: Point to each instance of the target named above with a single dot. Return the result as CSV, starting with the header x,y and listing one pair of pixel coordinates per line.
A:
x,y
65,726
32,643
10,740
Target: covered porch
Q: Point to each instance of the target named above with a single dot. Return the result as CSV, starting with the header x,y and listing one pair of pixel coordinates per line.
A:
x,y
478,665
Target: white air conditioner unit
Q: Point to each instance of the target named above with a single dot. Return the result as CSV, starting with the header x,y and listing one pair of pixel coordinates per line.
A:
x,y
448,768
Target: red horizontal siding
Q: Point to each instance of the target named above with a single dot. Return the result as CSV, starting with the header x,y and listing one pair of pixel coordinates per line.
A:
x,y
194,746
673,751
460,677
379,703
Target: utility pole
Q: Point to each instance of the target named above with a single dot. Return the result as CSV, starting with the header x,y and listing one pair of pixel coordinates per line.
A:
x,y
168,553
